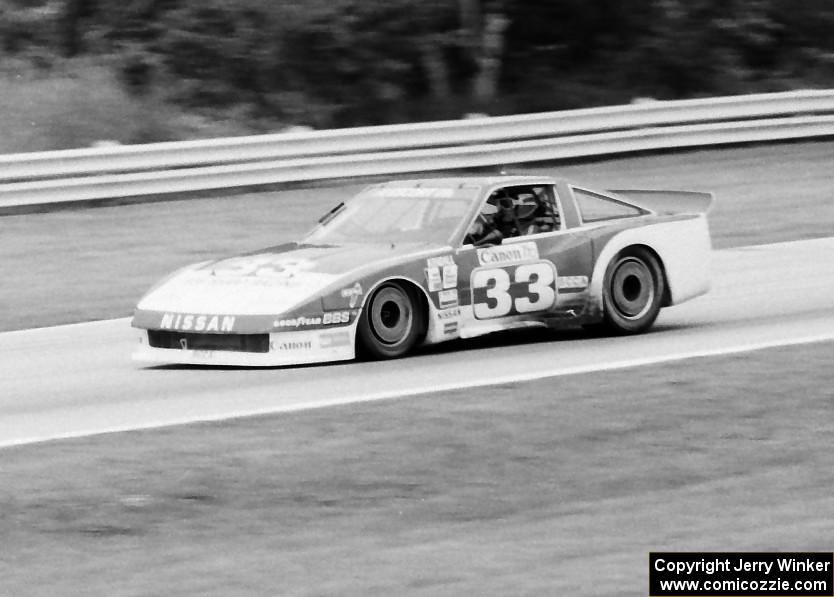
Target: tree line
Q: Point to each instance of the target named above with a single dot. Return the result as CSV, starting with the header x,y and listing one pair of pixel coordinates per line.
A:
x,y
330,63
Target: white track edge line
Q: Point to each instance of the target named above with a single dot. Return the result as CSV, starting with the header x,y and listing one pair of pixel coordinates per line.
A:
x,y
431,389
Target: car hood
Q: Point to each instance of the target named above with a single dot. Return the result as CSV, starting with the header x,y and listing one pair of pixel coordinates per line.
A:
x,y
272,280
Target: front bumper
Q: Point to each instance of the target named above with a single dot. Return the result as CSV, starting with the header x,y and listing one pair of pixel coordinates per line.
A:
x,y
285,348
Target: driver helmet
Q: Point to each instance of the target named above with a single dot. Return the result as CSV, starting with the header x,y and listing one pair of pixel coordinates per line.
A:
x,y
526,205
497,204
489,208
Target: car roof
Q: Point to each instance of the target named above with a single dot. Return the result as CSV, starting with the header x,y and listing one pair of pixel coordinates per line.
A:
x,y
468,181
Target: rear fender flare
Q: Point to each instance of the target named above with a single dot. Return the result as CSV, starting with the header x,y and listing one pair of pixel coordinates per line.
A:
x,y
682,248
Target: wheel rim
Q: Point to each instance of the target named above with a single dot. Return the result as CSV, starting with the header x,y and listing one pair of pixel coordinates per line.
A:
x,y
391,315
632,288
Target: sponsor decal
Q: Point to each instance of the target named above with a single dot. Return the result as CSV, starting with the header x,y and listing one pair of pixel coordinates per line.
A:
x,y
508,254
354,293
412,192
433,279
336,317
327,318
266,266
573,283
449,313
301,280
440,261
334,340
197,323
447,299
290,345
297,322
450,276
441,272
450,328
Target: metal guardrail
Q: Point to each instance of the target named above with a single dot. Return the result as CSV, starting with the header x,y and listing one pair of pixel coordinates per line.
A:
x,y
126,171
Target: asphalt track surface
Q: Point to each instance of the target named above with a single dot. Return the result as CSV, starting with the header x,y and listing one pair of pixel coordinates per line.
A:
x,y
76,380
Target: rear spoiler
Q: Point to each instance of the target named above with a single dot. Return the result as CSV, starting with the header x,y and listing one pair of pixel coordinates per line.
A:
x,y
669,202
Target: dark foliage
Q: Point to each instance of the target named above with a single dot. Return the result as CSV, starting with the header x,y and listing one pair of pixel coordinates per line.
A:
x,y
346,62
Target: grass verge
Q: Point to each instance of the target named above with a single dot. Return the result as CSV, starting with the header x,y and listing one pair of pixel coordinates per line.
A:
x,y
559,486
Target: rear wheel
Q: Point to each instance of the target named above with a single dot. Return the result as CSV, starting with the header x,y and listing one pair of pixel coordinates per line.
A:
x,y
391,323
633,291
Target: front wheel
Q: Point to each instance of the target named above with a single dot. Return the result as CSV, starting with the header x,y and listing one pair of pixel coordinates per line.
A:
x,y
391,323
633,291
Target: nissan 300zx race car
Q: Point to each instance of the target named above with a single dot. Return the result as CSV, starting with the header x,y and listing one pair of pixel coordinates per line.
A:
x,y
409,263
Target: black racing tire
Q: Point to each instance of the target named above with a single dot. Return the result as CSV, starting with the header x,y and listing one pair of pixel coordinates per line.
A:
x,y
391,323
632,292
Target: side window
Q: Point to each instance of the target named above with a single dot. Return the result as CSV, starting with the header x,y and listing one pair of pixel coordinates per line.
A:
x,y
538,210
515,211
595,208
532,210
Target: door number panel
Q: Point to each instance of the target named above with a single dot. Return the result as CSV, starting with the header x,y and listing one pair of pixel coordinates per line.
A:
x,y
513,289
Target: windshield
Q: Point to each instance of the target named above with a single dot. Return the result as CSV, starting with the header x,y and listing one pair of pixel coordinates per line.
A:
x,y
396,215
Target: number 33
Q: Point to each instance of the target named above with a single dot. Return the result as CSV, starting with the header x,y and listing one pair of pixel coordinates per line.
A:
x,y
531,288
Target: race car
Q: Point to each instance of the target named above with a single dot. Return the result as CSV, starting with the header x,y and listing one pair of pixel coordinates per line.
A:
x,y
418,262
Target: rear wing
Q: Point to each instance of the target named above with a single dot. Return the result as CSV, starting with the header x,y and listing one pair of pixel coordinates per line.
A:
x,y
669,202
